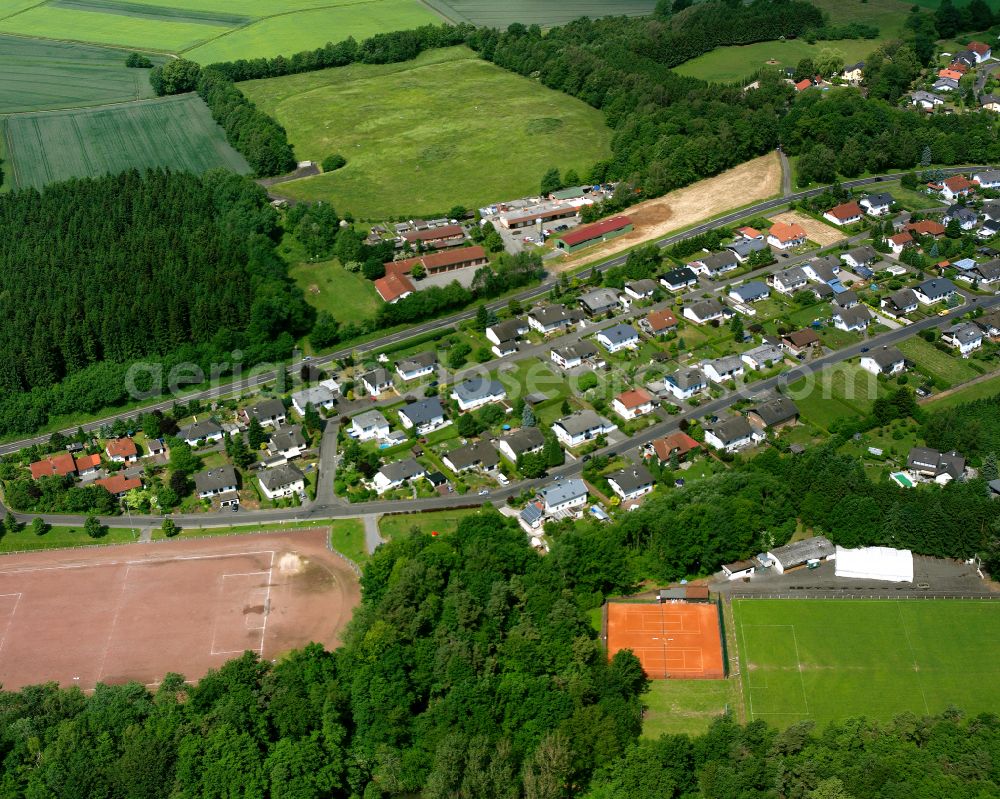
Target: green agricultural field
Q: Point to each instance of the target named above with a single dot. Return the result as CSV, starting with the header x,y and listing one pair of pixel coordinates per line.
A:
x,y
546,13
99,24
831,660
940,365
39,75
176,132
420,137
284,34
729,64
214,30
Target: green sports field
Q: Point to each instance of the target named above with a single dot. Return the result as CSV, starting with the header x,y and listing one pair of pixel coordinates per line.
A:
x,y
420,137
835,659
39,75
546,13
176,132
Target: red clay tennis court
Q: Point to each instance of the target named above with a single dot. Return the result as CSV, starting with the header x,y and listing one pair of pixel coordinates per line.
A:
x,y
135,612
678,640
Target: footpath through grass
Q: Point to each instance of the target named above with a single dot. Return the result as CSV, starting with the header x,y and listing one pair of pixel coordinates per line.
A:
x,y
176,132
829,660
420,137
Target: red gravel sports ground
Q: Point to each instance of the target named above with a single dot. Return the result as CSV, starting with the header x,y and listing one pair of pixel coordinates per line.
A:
x,y
673,640
138,611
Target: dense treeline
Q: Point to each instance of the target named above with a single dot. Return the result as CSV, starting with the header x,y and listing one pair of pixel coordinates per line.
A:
x,y
167,268
383,48
468,671
705,26
669,130
972,428
259,137
758,504
841,132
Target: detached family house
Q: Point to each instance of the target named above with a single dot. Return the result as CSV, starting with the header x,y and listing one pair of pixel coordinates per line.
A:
x,y
317,396
207,431
930,464
122,450
574,355
763,357
376,381
633,404
369,425
751,292
564,496
552,319
619,337
785,237
685,383
789,281
705,311
774,414
219,482
420,365
720,370
599,302
900,302
935,290
504,336
424,416
658,323
282,481
854,319
845,214
580,427
270,413
877,204
477,455
393,475
964,336
477,392
631,483
883,361
679,279
715,264
731,434
525,441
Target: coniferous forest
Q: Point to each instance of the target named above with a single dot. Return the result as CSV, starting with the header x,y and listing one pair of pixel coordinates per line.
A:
x,y
159,266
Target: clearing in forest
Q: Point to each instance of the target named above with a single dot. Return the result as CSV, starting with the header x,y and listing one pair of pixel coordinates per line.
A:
x,y
444,129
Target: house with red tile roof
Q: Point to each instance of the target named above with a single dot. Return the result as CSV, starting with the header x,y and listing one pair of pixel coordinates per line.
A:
x,y
926,227
899,242
844,214
59,465
122,450
659,322
118,484
633,404
678,443
785,236
87,464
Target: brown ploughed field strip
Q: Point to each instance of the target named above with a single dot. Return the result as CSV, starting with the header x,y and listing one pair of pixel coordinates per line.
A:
x,y
138,611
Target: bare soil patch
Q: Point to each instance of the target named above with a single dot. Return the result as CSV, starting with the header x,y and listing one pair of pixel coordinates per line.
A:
x,y
820,232
755,180
137,611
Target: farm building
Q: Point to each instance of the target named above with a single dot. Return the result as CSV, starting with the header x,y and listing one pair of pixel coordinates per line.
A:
x,y
875,563
592,234
739,569
801,553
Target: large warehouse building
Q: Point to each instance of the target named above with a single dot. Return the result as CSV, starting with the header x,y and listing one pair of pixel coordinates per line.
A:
x,y
876,563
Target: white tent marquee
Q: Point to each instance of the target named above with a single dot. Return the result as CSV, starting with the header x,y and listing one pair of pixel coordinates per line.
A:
x,y
876,563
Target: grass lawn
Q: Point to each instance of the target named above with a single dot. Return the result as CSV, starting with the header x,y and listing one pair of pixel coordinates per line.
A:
x,y
830,660
675,707
327,286
443,521
176,132
836,392
532,376
913,200
987,387
240,529
347,536
288,33
40,75
939,365
59,537
887,15
422,136
727,64
546,13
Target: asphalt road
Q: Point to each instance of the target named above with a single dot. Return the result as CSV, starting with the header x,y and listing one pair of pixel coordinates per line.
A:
x,y
425,327
338,508
329,506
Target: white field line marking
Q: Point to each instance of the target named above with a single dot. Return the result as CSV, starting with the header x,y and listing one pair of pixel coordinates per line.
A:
x,y
267,606
798,663
10,618
916,666
114,624
139,562
745,654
